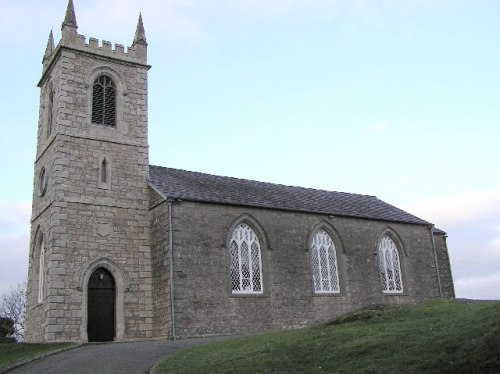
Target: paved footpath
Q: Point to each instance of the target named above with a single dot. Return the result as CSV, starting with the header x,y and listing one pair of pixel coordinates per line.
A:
x,y
116,358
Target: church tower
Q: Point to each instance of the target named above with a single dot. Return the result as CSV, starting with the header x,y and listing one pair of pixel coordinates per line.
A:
x,y
89,262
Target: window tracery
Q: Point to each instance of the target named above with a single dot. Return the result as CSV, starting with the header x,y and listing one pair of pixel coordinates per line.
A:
x,y
390,267
324,263
245,261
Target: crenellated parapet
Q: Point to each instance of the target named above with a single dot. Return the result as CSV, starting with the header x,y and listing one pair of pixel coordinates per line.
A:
x,y
70,39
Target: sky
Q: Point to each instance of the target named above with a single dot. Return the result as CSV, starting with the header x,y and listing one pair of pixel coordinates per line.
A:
x,y
397,99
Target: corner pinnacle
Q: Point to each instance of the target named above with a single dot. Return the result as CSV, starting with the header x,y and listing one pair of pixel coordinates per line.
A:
x,y
50,47
70,18
140,35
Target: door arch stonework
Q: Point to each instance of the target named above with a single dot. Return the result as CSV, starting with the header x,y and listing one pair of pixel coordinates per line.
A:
x,y
121,286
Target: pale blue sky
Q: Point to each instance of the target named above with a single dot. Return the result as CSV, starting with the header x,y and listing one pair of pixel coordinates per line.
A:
x,y
398,99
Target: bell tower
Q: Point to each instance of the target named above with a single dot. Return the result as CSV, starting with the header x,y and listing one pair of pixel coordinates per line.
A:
x,y
90,197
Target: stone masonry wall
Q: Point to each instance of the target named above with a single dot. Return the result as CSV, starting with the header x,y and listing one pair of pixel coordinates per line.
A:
x,y
85,223
160,266
444,266
205,306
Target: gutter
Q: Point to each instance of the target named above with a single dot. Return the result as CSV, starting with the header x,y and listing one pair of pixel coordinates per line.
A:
x,y
436,261
171,266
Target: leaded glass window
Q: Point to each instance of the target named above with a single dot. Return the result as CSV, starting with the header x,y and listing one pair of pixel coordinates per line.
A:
x,y
245,261
41,271
390,268
324,263
104,101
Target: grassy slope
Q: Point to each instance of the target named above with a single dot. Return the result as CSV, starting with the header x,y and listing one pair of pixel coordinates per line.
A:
x,y
438,336
15,352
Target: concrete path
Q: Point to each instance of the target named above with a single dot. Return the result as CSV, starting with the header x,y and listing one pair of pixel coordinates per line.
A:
x,y
133,357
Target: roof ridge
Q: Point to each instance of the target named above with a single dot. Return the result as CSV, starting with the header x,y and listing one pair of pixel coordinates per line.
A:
x,y
266,183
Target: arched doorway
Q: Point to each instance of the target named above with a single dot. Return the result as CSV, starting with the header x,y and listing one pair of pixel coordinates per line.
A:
x,y
101,306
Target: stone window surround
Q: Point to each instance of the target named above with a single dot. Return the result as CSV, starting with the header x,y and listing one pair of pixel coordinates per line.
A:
x,y
42,181
331,267
264,253
104,101
104,185
37,261
253,274
50,97
120,129
402,254
340,257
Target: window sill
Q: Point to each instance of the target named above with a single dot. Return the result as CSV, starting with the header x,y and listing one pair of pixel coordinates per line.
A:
x,y
248,295
327,294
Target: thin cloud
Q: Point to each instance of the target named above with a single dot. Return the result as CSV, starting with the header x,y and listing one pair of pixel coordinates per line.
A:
x,y
472,221
13,260
14,217
484,288
457,209
377,128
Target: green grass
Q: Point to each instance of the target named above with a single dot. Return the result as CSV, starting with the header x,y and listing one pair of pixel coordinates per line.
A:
x,y
10,353
434,337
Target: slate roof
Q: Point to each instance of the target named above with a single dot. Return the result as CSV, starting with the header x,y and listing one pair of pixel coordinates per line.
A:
x,y
200,187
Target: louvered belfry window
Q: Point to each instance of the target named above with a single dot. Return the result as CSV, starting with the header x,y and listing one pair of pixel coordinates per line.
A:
x,y
104,101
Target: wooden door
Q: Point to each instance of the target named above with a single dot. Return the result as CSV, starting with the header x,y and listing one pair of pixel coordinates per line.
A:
x,y
101,306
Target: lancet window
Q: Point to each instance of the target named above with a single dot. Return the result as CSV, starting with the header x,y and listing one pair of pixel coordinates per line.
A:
x,y
104,171
41,270
324,263
390,267
245,261
50,117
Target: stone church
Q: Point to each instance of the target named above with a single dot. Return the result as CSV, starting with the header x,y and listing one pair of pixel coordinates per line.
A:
x,y
123,250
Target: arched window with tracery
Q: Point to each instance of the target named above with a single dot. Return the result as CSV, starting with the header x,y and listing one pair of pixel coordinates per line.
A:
x,y
245,261
390,267
41,269
104,101
324,263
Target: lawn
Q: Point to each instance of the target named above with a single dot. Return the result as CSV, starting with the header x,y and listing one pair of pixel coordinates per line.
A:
x,y
434,337
10,353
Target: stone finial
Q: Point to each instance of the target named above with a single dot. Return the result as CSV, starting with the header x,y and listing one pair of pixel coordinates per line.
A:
x,y
69,26
70,18
140,35
50,48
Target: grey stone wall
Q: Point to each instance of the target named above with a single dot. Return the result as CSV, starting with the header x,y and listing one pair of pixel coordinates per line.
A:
x,y
205,306
160,266
447,287
87,224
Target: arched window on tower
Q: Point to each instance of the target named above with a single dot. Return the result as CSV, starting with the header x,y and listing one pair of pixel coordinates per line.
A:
x,y
390,267
41,269
245,261
104,101
104,171
324,263
50,117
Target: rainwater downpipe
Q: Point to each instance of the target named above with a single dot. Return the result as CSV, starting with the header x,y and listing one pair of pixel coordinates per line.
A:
x,y
431,227
171,265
